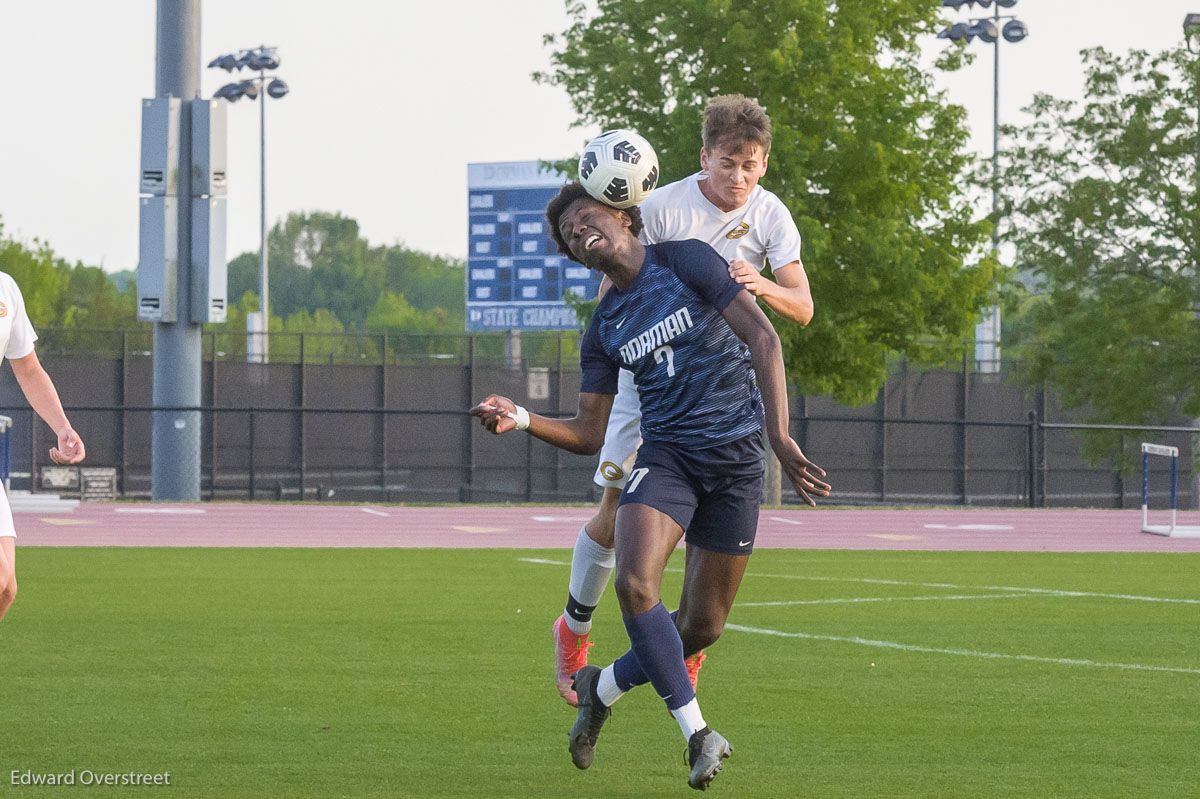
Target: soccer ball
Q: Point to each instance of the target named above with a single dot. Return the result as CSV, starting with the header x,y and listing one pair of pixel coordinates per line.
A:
x,y
619,168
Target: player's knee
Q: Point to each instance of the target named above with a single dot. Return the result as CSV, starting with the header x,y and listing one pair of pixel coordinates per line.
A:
x,y
635,593
602,530
698,633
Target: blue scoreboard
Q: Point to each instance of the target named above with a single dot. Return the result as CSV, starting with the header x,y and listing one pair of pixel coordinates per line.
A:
x,y
515,277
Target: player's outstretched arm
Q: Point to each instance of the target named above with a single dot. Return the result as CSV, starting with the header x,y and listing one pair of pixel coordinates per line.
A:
x,y
43,398
583,434
751,326
787,295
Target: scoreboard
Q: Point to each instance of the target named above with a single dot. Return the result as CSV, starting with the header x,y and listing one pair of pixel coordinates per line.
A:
x,y
515,276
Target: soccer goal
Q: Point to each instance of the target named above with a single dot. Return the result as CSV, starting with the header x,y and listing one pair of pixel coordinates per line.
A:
x,y
1172,530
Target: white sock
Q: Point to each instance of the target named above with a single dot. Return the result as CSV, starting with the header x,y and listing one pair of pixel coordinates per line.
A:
x,y
690,719
607,688
591,565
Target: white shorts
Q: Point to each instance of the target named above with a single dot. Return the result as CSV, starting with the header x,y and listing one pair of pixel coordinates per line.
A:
x,y
7,530
623,436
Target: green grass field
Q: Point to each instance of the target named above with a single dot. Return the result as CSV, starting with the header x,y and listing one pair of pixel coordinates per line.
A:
x,y
426,673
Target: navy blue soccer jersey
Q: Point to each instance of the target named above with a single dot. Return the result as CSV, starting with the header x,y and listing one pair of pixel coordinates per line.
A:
x,y
693,374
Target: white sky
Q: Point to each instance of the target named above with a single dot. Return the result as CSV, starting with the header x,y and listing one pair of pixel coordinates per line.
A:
x,y
390,100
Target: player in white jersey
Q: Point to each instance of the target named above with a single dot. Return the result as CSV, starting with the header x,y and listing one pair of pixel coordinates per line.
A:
x,y
750,227
16,344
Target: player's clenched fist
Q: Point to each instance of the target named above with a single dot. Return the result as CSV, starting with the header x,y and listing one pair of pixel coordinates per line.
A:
x,y
498,414
747,275
70,447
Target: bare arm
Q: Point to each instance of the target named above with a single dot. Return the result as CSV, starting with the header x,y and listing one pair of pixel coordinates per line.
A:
x,y
766,354
583,434
788,294
43,398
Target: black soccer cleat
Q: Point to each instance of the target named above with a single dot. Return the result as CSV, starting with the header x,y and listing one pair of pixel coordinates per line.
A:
x,y
706,749
581,740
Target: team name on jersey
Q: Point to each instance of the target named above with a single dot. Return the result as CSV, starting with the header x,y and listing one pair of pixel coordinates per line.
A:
x,y
656,336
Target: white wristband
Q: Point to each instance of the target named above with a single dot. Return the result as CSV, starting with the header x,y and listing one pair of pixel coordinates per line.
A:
x,y
522,418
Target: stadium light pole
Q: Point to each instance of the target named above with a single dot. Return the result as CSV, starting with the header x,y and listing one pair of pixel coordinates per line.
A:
x,y
175,433
1191,29
988,30
262,58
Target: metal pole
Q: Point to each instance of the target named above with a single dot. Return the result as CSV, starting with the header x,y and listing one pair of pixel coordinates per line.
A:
x,y
383,420
250,441
996,133
1031,462
1042,414
467,479
881,441
212,416
1118,479
994,311
121,417
558,406
1195,459
175,435
303,404
1145,487
263,305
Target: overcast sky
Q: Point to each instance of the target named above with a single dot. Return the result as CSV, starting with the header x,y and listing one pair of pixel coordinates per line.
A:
x,y
390,100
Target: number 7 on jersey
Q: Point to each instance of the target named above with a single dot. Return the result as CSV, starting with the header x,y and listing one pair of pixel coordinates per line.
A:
x,y
665,351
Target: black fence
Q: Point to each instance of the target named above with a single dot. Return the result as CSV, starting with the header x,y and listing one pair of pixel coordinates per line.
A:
x,y
383,418
443,456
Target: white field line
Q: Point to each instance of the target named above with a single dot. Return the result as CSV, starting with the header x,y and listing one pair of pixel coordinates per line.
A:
x,y
962,652
1004,588
374,512
853,600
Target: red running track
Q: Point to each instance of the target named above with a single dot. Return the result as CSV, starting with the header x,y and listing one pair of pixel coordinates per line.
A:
x,y
481,526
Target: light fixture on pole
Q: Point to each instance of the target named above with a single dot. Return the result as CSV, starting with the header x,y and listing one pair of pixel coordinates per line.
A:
x,y
260,60
988,30
1190,23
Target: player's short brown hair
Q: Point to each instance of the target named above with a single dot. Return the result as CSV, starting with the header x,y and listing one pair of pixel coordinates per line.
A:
x,y
569,194
735,121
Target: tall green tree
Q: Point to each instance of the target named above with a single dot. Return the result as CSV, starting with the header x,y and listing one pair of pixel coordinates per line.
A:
x,y
319,261
1101,198
427,281
868,156
58,294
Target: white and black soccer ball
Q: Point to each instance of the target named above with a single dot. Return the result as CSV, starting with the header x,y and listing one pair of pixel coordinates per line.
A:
x,y
619,168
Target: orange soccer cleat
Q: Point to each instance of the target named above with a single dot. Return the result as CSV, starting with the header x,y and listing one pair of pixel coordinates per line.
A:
x,y
693,666
570,655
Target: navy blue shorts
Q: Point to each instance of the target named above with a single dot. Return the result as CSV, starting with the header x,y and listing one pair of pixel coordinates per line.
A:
x,y
712,493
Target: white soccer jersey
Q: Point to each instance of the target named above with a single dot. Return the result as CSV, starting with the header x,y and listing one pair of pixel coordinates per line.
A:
x,y
16,331
16,341
759,232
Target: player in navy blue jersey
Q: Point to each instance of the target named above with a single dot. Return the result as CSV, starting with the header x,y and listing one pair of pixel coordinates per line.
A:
x,y
700,350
